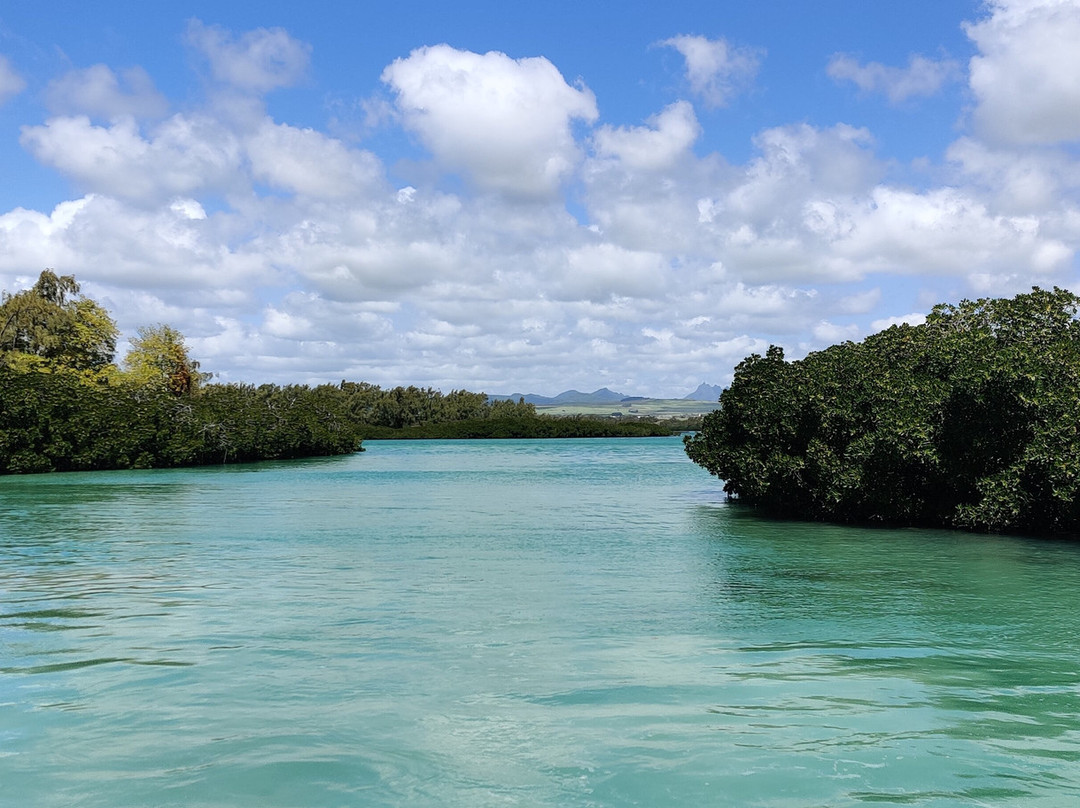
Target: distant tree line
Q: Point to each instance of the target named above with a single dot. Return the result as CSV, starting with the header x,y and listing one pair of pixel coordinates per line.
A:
x,y
407,413
522,426
970,420
404,407
65,405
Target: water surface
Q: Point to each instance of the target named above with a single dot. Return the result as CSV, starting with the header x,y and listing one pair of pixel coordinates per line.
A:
x,y
532,623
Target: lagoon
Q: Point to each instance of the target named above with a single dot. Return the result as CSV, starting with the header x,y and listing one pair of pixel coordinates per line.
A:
x,y
516,623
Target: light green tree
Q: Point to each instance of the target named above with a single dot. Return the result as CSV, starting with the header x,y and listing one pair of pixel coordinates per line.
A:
x,y
159,355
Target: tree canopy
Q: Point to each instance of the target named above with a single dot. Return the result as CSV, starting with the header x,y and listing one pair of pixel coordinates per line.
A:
x,y
969,420
159,354
65,406
52,325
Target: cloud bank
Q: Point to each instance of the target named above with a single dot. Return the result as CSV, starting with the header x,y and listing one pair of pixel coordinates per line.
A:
x,y
536,245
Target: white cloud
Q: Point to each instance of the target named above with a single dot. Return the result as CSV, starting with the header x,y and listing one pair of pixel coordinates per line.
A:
x,y
181,156
921,77
106,241
830,333
1026,78
378,249
285,254
812,207
859,302
505,123
259,60
602,271
98,92
188,154
945,231
32,239
799,162
11,83
307,162
284,325
914,318
345,271
660,145
188,209
716,69
1018,179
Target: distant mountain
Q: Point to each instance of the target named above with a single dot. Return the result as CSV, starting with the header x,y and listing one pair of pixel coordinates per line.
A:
x,y
601,396
705,392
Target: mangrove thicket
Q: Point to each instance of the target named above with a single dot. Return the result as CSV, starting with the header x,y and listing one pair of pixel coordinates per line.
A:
x,y
970,420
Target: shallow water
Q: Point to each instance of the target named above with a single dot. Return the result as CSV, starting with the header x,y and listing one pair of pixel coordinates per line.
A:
x,y
533,623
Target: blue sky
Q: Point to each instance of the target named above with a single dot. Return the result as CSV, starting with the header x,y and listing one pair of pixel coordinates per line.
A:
x,y
531,197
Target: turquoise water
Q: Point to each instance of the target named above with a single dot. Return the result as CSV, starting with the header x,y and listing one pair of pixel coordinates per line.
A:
x,y
516,623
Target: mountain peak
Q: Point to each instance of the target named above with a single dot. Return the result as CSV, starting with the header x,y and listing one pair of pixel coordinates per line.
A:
x,y
705,392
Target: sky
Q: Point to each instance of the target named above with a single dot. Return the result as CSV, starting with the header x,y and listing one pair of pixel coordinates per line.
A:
x,y
528,197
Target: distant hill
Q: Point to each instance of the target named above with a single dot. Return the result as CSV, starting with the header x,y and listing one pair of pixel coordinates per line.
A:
x,y
705,392
601,396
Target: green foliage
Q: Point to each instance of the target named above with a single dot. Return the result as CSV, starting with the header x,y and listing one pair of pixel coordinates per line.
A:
x,y
240,423
968,420
58,422
51,326
527,426
159,355
404,407
414,413
65,407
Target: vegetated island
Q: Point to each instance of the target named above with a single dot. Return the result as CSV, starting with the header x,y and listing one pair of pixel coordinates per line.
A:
x,y
65,405
971,421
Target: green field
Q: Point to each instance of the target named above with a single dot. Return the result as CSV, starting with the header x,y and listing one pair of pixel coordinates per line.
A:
x,y
655,407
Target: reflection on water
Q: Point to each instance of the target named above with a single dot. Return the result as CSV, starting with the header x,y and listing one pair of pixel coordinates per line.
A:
x,y
516,623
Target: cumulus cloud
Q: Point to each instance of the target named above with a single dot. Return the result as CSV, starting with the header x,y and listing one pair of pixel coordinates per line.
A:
x,y
945,231
1026,76
505,123
98,92
829,333
181,156
812,207
29,236
11,83
189,154
307,162
603,271
286,254
1019,180
913,318
799,161
106,241
282,324
716,69
921,77
662,143
259,60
